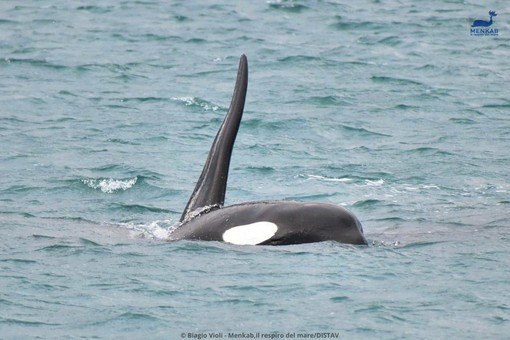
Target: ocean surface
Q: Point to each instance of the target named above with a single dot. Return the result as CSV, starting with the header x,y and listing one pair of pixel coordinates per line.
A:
x,y
389,108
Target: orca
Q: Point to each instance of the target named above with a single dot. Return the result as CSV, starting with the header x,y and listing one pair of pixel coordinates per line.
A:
x,y
255,223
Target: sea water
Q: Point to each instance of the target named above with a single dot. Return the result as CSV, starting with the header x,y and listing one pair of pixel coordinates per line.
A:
x,y
389,108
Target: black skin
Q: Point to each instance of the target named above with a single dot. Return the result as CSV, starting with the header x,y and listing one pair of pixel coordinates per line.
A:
x,y
298,222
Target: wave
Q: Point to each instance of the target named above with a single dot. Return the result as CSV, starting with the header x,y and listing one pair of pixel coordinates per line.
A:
x,y
110,185
342,25
95,9
391,41
368,203
497,106
330,179
259,169
139,208
399,81
270,125
299,58
426,150
391,219
26,323
362,131
153,230
329,101
197,102
463,121
21,188
406,107
287,6
374,183
140,173
61,248
311,197
7,21
33,62
121,141
143,99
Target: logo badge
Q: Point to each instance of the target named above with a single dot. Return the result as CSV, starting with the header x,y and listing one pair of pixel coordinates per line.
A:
x,y
482,27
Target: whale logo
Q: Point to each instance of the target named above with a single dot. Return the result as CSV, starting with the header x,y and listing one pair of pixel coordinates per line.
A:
x,y
483,23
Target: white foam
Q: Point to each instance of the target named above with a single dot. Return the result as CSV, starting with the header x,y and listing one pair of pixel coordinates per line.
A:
x,y
376,183
250,234
330,179
160,230
192,101
110,185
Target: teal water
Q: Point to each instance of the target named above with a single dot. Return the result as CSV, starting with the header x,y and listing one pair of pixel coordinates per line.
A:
x,y
392,109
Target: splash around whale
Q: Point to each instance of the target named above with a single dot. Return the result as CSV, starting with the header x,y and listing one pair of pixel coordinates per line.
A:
x,y
255,223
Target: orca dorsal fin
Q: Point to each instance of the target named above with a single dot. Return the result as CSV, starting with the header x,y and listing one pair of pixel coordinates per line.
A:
x,y
210,189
